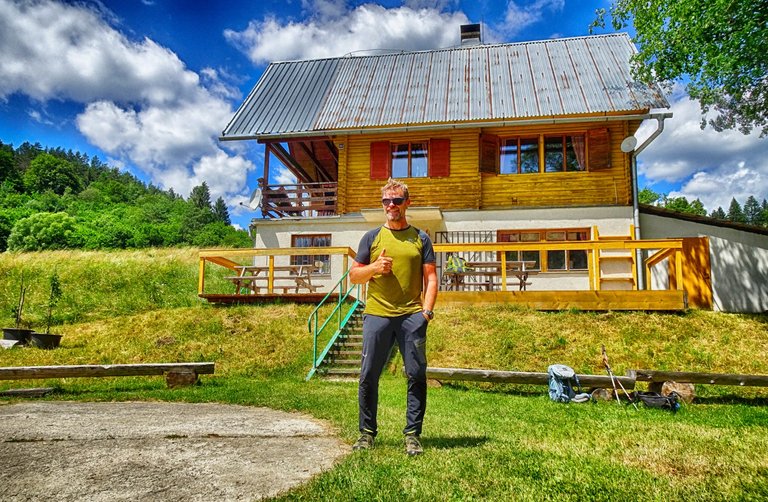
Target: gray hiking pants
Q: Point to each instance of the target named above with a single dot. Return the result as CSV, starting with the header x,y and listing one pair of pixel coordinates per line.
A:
x,y
379,336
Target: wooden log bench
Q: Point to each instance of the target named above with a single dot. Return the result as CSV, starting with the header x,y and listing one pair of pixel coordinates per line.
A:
x,y
522,377
176,374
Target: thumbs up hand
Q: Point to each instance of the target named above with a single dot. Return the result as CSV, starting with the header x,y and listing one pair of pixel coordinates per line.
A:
x,y
383,263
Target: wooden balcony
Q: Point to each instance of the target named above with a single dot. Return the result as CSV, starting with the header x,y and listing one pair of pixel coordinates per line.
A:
x,y
303,200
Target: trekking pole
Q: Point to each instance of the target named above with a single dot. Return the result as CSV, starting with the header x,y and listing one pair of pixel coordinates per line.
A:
x,y
610,374
614,380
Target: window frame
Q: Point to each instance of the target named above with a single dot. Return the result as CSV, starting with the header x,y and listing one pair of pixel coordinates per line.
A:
x,y
503,143
564,151
588,150
393,147
297,260
543,260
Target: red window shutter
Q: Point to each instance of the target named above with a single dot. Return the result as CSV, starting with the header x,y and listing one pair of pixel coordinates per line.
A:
x,y
599,149
439,158
380,160
489,154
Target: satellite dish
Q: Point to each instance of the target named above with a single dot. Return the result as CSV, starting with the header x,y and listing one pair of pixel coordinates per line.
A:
x,y
629,144
255,199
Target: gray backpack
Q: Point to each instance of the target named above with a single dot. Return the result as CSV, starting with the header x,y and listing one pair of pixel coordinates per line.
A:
x,y
564,385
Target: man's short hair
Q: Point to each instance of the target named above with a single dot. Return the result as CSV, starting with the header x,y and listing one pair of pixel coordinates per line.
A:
x,y
393,184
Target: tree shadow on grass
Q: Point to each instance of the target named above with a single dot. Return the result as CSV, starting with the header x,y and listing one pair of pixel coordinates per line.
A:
x,y
524,390
447,442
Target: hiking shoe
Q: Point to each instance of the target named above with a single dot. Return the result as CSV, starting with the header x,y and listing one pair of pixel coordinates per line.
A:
x,y
365,442
413,445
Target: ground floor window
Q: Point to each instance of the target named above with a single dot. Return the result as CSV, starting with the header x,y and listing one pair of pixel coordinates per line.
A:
x,y
554,260
312,241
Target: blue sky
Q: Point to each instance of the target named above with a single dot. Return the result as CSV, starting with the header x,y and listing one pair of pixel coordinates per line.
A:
x,y
148,86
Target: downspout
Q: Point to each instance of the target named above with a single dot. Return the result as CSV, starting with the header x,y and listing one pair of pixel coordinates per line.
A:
x,y
660,117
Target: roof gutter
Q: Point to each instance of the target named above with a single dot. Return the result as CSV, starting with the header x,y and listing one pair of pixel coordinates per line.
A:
x,y
660,117
449,127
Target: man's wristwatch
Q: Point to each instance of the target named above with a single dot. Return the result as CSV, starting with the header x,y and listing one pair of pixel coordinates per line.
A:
x,y
430,315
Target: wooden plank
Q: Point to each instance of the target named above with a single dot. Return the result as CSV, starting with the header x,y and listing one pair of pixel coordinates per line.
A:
x,y
666,300
93,370
702,378
34,392
520,377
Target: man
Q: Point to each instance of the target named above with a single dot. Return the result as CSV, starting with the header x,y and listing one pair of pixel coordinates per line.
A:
x,y
398,263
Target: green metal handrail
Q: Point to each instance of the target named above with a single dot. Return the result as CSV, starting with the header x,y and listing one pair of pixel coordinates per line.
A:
x,y
314,319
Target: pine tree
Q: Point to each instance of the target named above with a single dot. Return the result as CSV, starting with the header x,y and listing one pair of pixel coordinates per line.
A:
x,y
763,219
221,212
201,196
735,214
752,211
718,214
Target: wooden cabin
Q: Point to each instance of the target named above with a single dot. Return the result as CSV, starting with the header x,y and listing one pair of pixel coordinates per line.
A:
x,y
513,153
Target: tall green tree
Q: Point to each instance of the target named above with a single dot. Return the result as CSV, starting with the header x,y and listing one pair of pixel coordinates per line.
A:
x,y
718,214
647,196
200,197
752,210
48,172
681,205
718,48
735,214
221,212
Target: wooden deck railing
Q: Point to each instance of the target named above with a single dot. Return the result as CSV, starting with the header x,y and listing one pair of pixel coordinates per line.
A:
x,y
303,200
270,258
662,249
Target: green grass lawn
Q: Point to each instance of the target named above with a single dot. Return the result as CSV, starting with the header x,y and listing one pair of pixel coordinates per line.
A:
x,y
482,442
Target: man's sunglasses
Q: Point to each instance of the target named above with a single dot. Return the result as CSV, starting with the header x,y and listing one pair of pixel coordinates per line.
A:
x,y
396,201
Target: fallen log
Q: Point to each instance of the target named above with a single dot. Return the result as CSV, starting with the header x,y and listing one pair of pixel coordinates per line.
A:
x,y
520,377
176,374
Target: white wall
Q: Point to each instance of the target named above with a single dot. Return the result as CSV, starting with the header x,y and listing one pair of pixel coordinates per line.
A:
x,y
739,260
347,230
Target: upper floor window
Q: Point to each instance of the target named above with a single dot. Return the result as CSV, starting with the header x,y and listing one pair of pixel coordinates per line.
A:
x,y
412,159
519,155
565,153
545,153
409,160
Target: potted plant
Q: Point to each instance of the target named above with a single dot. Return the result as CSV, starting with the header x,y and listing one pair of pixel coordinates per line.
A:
x,y
48,340
18,333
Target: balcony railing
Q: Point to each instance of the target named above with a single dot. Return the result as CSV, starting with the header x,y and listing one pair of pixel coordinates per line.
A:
x,y
299,200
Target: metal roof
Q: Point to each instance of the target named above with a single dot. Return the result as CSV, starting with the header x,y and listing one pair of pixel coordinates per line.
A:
x,y
461,85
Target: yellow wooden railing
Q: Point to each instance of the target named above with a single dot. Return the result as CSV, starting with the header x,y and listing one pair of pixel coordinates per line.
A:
x,y
664,248
232,258
661,249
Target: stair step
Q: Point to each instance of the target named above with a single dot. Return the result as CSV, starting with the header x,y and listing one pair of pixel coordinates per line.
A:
x,y
345,362
342,371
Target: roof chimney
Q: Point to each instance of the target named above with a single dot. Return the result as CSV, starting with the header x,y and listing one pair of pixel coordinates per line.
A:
x,y
470,34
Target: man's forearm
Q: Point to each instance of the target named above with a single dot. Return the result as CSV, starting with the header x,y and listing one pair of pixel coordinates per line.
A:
x,y
360,274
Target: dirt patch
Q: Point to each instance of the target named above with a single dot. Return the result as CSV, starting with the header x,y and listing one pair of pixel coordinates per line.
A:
x,y
158,451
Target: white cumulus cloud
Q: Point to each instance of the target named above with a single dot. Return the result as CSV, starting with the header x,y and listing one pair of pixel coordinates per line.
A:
x,y
709,165
141,105
335,32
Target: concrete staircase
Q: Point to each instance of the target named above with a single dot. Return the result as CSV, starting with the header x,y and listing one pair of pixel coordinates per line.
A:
x,y
343,360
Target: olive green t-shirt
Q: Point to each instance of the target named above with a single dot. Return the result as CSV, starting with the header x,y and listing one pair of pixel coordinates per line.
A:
x,y
398,292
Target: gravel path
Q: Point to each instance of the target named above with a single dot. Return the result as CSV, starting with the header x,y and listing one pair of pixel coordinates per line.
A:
x,y
158,451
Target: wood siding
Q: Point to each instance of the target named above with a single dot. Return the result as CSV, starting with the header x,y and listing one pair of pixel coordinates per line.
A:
x,y
466,188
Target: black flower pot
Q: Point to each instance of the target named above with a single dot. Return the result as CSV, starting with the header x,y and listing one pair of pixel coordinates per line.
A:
x,y
21,335
44,340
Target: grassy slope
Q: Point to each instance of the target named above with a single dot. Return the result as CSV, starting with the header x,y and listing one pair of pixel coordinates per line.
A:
x,y
482,441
